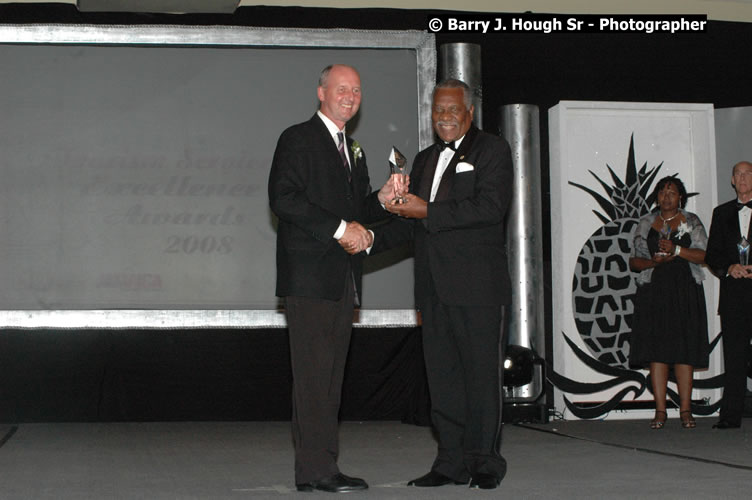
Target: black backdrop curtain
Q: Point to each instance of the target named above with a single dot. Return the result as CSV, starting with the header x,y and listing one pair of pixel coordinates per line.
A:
x,y
112,375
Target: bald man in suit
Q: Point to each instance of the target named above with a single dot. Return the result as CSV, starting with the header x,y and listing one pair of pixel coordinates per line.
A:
x,y
729,225
320,191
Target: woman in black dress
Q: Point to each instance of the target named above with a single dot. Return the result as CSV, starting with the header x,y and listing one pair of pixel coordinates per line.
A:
x,y
670,324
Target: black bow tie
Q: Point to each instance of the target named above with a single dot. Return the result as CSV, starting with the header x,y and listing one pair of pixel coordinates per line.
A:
x,y
740,205
444,145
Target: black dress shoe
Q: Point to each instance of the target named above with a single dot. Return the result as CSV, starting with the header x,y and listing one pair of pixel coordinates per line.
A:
x,y
338,483
725,424
432,479
484,481
356,479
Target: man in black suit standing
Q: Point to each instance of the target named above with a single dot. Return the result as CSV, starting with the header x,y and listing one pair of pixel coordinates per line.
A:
x,y
319,190
729,225
460,189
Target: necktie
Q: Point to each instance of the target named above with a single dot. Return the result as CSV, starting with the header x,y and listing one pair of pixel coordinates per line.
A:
x,y
740,205
346,164
341,149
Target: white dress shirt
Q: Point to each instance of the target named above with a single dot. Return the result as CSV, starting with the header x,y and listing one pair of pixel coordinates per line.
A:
x,y
444,158
744,216
333,130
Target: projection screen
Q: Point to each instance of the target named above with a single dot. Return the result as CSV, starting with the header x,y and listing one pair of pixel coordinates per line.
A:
x,y
135,159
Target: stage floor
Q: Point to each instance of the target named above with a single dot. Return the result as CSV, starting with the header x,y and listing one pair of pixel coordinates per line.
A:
x,y
251,460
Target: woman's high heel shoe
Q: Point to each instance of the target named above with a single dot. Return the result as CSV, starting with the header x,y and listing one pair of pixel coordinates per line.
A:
x,y
659,420
687,420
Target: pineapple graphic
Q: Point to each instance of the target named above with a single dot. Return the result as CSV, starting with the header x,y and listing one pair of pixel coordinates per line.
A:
x,y
603,288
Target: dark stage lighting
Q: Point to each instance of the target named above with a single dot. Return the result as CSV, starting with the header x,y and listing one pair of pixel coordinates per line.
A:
x,y
523,386
519,363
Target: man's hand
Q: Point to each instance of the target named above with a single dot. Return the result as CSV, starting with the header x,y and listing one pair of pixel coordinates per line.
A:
x,y
414,207
396,185
740,271
356,238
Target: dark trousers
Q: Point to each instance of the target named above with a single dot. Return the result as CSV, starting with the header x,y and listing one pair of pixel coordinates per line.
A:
x,y
320,333
736,327
463,365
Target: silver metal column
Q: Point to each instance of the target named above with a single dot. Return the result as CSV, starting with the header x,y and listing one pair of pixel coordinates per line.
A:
x,y
520,127
462,62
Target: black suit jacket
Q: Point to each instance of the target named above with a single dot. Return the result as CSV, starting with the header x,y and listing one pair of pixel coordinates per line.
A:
x,y
310,194
722,252
461,245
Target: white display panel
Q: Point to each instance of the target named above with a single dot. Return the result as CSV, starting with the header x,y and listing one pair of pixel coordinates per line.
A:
x,y
592,285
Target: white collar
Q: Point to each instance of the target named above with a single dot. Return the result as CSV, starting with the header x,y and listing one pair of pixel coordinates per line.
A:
x,y
330,125
457,143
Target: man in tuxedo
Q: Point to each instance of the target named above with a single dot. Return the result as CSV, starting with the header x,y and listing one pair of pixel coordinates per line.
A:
x,y
319,190
729,225
459,191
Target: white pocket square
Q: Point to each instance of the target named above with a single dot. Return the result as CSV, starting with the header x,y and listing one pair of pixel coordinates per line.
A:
x,y
464,167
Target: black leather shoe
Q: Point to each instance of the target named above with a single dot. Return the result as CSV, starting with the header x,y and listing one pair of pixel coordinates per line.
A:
x,y
356,479
484,481
338,483
432,479
725,424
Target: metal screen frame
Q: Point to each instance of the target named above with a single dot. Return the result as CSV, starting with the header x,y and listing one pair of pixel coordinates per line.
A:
x,y
422,43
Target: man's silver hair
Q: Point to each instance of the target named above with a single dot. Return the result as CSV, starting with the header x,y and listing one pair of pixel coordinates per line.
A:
x,y
324,76
453,83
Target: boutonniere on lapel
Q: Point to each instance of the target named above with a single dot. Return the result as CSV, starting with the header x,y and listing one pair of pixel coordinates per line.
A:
x,y
682,229
357,153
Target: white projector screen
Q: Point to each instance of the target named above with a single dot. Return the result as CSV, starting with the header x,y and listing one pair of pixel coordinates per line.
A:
x,y
135,159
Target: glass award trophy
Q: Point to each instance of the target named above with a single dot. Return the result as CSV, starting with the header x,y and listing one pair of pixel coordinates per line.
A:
x,y
743,247
664,234
398,165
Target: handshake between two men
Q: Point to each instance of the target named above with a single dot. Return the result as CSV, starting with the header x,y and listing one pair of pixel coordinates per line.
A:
x,y
395,199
